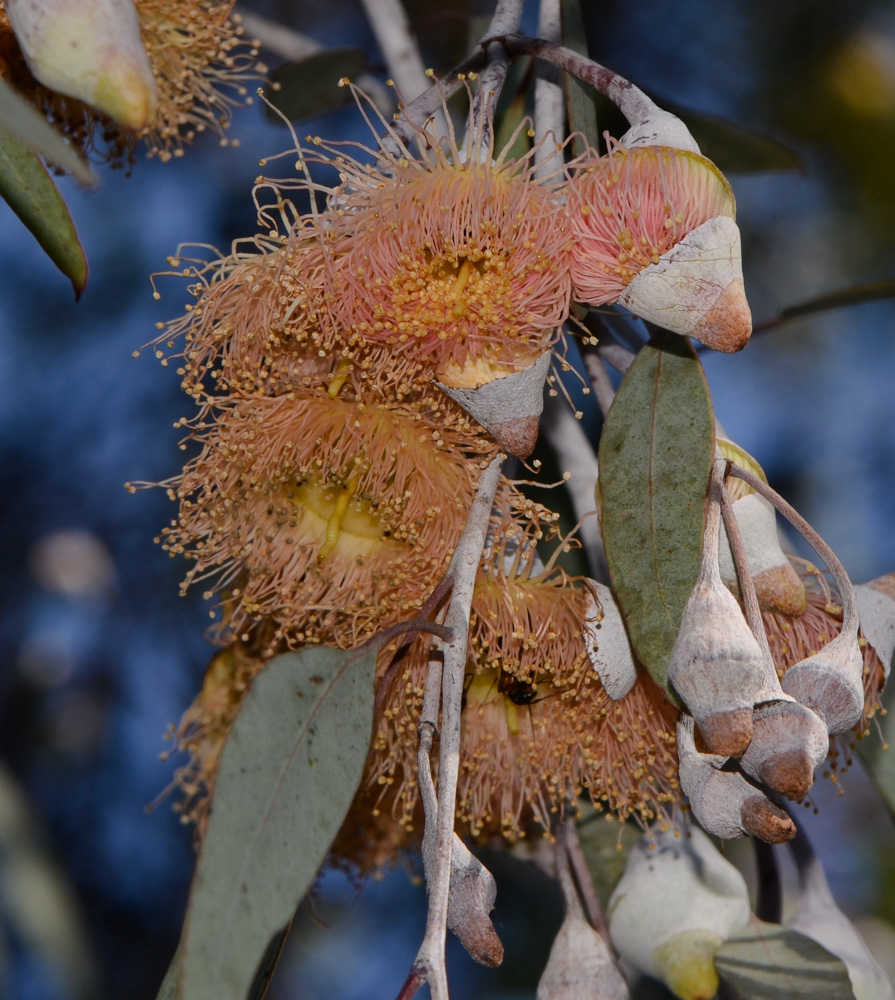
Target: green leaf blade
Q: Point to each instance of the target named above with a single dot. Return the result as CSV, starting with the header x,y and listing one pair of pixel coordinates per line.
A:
x,y
309,86
31,194
29,127
655,459
770,962
288,772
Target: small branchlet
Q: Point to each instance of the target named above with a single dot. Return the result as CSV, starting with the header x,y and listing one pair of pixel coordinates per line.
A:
x,y
830,682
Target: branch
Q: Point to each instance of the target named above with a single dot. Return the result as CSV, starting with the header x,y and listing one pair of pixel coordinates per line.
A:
x,y
429,963
550,105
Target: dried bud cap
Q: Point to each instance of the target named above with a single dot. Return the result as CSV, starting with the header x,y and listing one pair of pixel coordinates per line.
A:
x,y
789,743
696,288
876,610
607,643
777,585
507,406
471,899
91,50
581,966
673,908
831,682
725,804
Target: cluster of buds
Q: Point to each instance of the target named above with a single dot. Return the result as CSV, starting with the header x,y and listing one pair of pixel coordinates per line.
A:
x,y
109,73
767,691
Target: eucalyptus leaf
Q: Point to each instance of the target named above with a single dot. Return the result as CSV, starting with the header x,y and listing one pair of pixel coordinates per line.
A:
x,y
168,990
310,86
655,458
38,906
877,754
734,149
27,125
579,96
289,770
28,188
606,844
770,962
853,296
731,147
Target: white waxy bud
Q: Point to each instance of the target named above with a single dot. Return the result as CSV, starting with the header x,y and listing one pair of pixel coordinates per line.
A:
x,y
507,406
831,682
818,917
696,288
789,743
90,50
724,802
717,665
777,585
876,611
676,903
608,645
581,966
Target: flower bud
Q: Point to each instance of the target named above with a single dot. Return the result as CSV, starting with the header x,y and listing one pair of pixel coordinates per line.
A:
x,y
876,610
673,908
696,288
608,645
789,743
654,230
91,50
725,804
581,966
507,406
831,682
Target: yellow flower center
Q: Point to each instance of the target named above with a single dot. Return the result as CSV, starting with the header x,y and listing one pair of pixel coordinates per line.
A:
x,y
338,521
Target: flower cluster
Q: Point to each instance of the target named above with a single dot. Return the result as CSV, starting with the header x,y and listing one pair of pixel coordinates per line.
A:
x,y
354,367
199,64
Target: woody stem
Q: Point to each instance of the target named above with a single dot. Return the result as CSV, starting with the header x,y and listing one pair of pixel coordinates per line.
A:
x,y
429,962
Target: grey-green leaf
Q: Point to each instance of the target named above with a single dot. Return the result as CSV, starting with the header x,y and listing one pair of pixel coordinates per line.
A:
x,y
28,188
606,844
877,754
736,150
289,770
579,96
770,962
24,123
655,459
311,86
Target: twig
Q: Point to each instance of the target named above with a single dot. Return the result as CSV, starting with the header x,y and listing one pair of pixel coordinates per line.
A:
x,y
492,77
429,963
631,100
769,901
295,47
388,20
616,355
572,846
843,583
576,456
550,106
599,380
747,584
